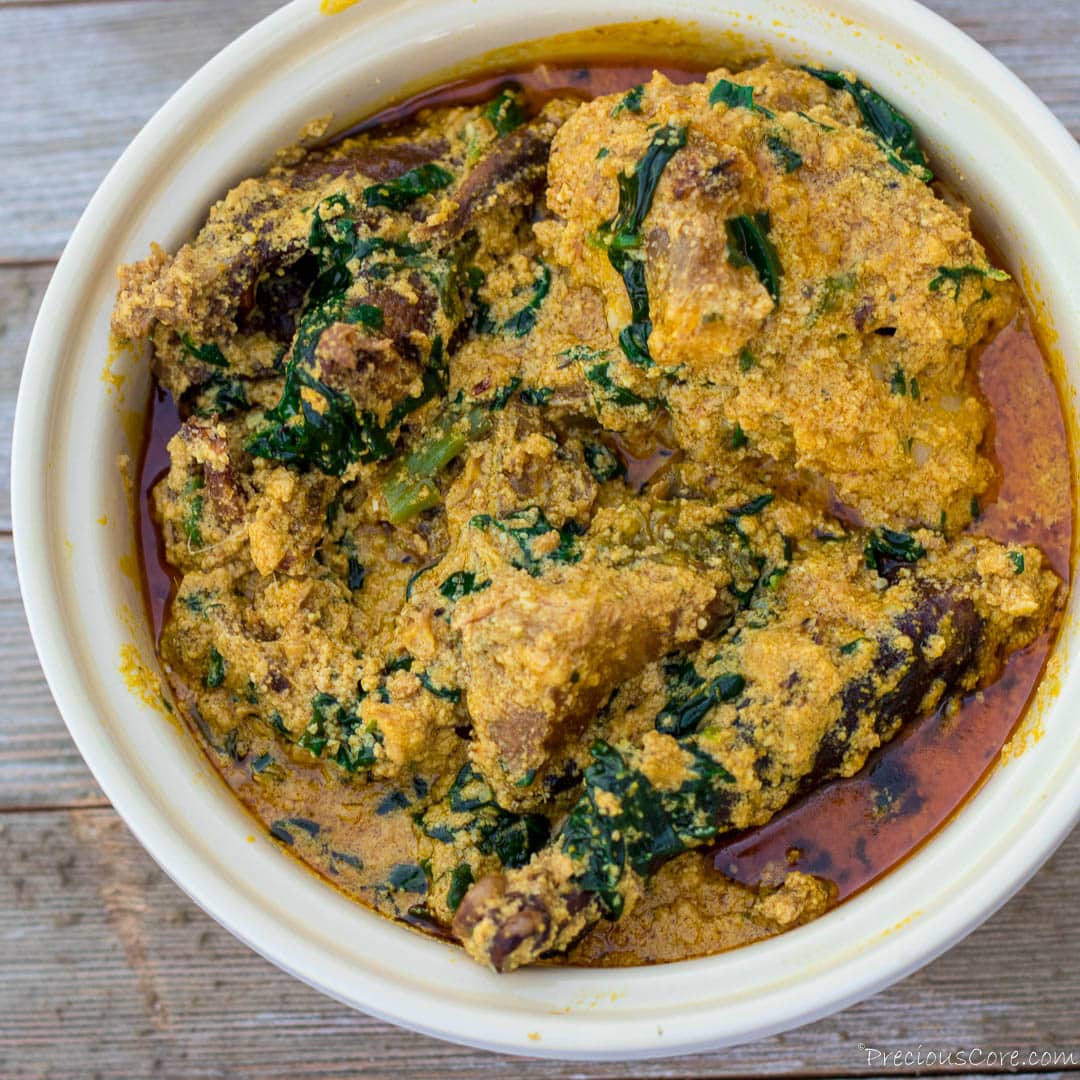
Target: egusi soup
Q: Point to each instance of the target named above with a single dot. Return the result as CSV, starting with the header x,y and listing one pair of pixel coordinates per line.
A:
x,y
559,491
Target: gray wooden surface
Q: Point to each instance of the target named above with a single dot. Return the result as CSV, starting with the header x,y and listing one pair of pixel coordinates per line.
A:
x,y
106,969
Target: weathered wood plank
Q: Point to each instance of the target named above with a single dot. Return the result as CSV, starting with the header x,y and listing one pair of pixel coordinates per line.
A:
x,y
39,765
162,991
65,123
21,290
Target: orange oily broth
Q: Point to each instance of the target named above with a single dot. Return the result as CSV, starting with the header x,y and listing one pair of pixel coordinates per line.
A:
x,y
851,831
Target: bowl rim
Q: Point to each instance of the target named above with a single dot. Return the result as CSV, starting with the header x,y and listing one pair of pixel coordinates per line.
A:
x,y
577,1038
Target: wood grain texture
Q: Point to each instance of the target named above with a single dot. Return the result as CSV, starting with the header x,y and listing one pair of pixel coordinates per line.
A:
x,y
69,119
106,969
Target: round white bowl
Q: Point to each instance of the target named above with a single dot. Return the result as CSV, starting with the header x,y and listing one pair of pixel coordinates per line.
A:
x,y
984,129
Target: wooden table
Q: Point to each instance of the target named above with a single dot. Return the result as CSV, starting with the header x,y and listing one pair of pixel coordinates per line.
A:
x,y
106,968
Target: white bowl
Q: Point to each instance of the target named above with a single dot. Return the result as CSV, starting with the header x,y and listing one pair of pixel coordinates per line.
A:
x,y
985,130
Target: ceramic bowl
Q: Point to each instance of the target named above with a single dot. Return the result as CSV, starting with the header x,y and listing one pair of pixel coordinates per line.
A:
x,y
79,409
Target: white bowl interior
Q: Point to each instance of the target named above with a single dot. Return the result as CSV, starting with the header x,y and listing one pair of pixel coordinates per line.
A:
x,y
1016,167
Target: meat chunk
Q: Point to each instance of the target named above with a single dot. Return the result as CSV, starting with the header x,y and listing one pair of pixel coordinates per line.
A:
x,y
543,655
812,687
804,284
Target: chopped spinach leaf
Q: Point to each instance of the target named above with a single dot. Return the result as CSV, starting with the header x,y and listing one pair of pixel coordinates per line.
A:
x,y
1017,559
649,826
408,187
215,669
621,237
753,506
279,832
505,111
746,360
615,393
407,877
460,880
631,102
886,548
690,697
748,244
524,320
603,463
955,276
539,395
736,96
391,801
312,828
738,437
349,860
462,583
513,838
524,527
787,158
208,354
892,128
447,693
356,574
898,382
332,722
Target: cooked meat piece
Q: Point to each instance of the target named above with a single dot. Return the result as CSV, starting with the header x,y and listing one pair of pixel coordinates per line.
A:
x,y
796,693
803,283
543,655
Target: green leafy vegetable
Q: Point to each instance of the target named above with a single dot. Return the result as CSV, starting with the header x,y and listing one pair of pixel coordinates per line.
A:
x,y
738,437
215,669
690,697
1017,559
898,382
748,244
471,807
787,158
524,320
408,187
505,111
603,463
892,128
407,877
226,396
615,393
356,574
631,102
460,880
649,826
524,527
391,802
887,547
751,507
332,722
191,522
621,237
332,437
539,395
462,583
329,435
208,354
410,486
736,96
199,602
955,276
447,693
